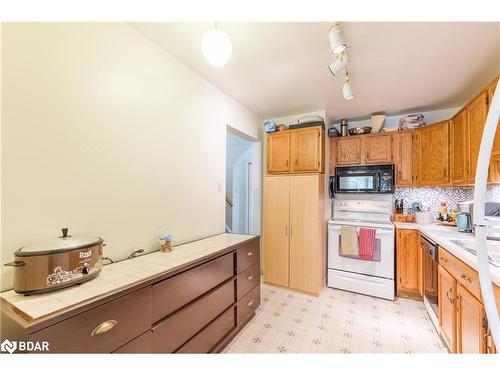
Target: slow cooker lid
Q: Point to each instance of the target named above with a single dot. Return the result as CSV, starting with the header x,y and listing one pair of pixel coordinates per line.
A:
x,y
60,244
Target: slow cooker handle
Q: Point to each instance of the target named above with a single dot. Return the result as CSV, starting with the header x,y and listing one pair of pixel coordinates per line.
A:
x,y
16,263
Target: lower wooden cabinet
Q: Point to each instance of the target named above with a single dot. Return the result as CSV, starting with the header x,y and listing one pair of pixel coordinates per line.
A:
x,y
471,323
408,263
294,232
447,296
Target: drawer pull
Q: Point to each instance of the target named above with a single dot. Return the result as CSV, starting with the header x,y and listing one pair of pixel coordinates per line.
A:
x,y
250,277
250,303
104,327
250,253
465,277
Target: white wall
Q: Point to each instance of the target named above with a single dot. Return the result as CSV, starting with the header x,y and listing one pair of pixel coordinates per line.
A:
x,y
107,134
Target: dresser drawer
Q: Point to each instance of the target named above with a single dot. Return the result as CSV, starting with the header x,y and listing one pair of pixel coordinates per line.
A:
x,y
246,306
209,336
141,344
248,255
102,329
464,274
247,280
171,333
177,291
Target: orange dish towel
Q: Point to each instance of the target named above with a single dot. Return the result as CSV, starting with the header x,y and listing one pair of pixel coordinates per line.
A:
x,y
367,243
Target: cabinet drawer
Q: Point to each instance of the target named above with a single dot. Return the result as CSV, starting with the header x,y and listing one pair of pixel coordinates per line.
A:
x,y
464,274
247,280
247,305
209,336
141,344
119,320
171,333
177,291
248,255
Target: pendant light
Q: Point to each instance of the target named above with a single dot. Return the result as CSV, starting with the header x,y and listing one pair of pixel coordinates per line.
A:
x,y
339,64
216,47
347,88
337,41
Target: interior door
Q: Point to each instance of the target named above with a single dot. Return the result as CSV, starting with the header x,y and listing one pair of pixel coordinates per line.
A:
x,y
276,229
470,323
459,148
306,150
476,117
305,222
447,295
278,152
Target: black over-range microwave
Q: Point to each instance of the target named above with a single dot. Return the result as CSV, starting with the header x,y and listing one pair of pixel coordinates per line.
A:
x,y
377,179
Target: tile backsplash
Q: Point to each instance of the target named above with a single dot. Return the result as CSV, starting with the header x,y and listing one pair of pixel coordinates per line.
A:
x,y
435,195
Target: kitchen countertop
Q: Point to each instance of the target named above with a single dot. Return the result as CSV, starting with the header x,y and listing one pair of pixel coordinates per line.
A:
x,y
119,275
443,235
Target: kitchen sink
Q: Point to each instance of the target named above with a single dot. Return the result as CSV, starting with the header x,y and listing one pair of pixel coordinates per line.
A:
x,y
493,249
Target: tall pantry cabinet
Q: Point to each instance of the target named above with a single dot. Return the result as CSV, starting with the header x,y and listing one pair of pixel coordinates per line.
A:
x,y
293,234
294,231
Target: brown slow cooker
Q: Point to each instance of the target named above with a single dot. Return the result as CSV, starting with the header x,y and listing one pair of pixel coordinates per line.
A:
x,y
56,263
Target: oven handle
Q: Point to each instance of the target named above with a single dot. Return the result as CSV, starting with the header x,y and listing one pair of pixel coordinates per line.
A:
x,y
379,230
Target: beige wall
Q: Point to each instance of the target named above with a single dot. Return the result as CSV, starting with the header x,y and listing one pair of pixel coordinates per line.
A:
x,y
107,134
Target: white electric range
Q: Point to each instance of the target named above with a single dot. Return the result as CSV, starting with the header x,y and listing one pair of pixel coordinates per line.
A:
x,y
372,277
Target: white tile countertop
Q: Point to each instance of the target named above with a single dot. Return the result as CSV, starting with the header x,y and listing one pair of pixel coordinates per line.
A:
x,y
120,274
443,235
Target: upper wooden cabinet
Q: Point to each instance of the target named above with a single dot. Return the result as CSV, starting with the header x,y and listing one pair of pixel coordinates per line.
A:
x,y
459,145
295,151
348,151
307,150
432,154
402,156
476,118
376,149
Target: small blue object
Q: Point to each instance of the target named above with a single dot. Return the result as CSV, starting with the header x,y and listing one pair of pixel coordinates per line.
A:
x,y
270,126
166,237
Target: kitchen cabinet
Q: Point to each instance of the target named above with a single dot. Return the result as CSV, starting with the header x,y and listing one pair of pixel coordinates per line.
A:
x,y
476,118
376,149
408,263
402,156
432,153
275,230
459,144
278,152
293,232
470,323
296,151
307,150
348,151
447,296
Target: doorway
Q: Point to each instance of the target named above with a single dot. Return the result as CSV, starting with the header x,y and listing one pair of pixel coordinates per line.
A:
x,y
242,183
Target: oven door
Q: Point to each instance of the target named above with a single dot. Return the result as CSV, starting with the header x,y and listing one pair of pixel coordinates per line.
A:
x,y
357,183
383,263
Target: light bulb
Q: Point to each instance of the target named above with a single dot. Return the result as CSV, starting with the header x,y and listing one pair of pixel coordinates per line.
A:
x,y
216,47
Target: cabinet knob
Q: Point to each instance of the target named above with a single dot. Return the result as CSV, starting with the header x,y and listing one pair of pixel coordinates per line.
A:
x,y
250,277
250,253
103,327
465,277
250,303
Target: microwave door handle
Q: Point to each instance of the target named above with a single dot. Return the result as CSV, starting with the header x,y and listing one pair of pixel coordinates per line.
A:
x,y
376,182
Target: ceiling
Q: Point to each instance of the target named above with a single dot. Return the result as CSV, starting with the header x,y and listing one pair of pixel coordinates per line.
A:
x,y
278,69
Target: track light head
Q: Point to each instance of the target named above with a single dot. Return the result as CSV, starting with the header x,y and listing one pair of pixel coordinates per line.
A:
x,y
347,88
340,64
337,41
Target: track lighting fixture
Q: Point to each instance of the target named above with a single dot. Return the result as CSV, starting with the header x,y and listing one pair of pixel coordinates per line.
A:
x,y
216,47
337,41
347,88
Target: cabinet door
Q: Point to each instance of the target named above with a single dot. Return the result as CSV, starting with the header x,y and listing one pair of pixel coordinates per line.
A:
x,y
402,155
447,296
408,268
376,149
470,331
476,117
276,229
307,253
432,155
306,150
278,152
459,148
349,151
